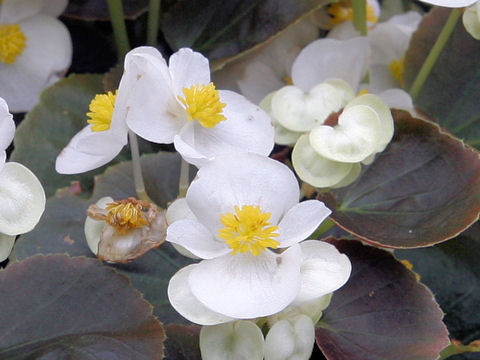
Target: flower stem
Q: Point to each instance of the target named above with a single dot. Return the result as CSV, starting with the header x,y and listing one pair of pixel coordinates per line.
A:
x,y
184,179
360,15
137,169
435,53
324,227
152,26
455,349
119,30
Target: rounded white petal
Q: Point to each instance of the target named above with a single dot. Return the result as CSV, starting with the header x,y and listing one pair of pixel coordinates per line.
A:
x,y
352,140
196,238
13,11
315,169
187,305
384,114
44,60
387,42
330,58
238,340
243,179
188,68
471,20
93,228
354,173
89,150
344,31
6,245
299,111
290,339
22,199
301,221
54,7
154,112
247,129
7,129
450,3
397,99
179,210
324,269
407,22
246,286
259,80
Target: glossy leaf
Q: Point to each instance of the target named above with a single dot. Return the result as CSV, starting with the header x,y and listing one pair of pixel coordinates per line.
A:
x,y
381,313
61,228
451,92
60,307
98,9
423,189
225,28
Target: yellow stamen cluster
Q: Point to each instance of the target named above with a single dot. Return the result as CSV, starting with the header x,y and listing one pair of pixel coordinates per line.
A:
x,y
287,80
396,68
202,103
12,43
125,215
101,111
248,230
342,11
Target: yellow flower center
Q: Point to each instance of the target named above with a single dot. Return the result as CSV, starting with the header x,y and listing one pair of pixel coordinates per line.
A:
x,y
342,11
203,103
12,43
101,111
125,215
362,92
396,68
287,80
248,230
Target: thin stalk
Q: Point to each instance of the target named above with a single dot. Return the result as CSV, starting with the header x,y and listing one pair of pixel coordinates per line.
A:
x,y
137,169
152,25
360,15
119,30
456,349
324,227
184,180
435,53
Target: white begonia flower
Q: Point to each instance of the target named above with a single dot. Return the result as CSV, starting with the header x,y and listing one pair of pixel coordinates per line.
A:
x,y
342,12
239,216
471,20
35,49
238,340
7,130
178,103
450,3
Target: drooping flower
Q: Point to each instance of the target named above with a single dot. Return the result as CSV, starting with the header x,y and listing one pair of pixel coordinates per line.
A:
x,y
239,219
178,103
35,49
471,20
22,197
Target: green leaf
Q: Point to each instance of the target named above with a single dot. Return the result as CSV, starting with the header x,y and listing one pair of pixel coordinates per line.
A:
x,y
423,189
48,128
61,228
57,307
382,313
452,271
98,9
182,342
224,28
451,92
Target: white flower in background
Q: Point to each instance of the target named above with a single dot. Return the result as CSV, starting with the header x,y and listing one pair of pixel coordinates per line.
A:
x,y
178,103
450,3
244,206
471,20
22,199
35,50
342,12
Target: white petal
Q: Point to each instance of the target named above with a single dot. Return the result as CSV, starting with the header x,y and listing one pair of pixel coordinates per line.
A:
x,y
323,269
344,31
89,150
22,199
179,210
6,245
238,340
387,42
196,238
259,80
288,340
301,221
94,228
188,68
407,22
246,286
54,7
244,179
45,58
450,3
13,11
7,128
471,20
329,58
154,112
352,140
315,169
187,305
354,173
397,99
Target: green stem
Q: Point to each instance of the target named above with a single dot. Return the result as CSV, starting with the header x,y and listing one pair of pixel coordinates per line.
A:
x,y
184,180
119,30
360,15
455,349
137,169
324,227
434,53
152,25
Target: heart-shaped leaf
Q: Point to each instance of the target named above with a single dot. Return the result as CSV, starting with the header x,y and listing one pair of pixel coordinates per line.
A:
x,y
423,189
98,9
57,307
182,342
382,313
